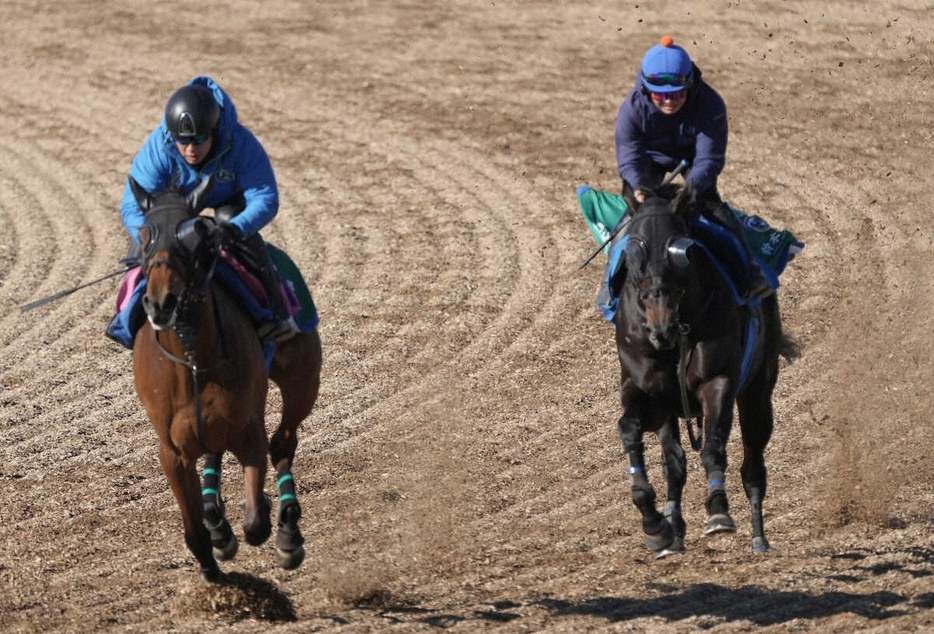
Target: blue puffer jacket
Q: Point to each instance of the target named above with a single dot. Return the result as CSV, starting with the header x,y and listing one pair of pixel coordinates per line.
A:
x,y
239,161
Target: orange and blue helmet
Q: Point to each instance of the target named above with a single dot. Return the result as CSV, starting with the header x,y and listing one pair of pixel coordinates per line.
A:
x,y
667,67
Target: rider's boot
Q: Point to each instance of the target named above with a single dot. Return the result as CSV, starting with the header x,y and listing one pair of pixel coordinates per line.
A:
x,y
284,327
757,285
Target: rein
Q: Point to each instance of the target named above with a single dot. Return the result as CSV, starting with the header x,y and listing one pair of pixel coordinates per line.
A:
x,y
188,336
695,425
195,370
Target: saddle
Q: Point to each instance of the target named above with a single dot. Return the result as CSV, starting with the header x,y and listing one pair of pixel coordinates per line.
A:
x,y
235,277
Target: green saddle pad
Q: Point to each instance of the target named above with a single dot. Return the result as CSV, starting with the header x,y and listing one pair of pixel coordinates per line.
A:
x,y
772,247
308,312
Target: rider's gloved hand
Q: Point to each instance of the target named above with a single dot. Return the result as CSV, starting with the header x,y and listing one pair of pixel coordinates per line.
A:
x,y
224,234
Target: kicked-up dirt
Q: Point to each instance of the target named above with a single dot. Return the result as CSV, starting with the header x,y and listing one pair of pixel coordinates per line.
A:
x,y
462,471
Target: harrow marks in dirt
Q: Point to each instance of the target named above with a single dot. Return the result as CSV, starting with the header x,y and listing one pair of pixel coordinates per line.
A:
x,y
462,467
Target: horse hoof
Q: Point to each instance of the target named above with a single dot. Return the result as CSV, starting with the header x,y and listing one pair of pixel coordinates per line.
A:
x,y
290,559
257,534
664,539
675,548
719,523
213,574
258,528
223,540
760,545
227,551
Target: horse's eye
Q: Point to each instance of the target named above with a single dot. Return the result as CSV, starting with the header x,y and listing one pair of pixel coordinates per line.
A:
x,y
636,255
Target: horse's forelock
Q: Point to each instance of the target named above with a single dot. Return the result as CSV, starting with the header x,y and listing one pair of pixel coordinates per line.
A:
x,y
169,209
171,203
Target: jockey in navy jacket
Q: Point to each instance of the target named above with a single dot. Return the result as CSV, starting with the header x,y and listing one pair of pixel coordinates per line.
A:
x,y
697,133
673,115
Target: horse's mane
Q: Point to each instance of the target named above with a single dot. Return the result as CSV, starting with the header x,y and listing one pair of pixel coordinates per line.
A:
x,y
682,196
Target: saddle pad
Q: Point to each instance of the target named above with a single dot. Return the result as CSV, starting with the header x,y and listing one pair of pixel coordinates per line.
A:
x,y
772,248
129,316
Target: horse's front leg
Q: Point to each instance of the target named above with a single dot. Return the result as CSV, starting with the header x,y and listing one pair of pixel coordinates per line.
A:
x,y
183,478
215,520
658,532
717,396
674,462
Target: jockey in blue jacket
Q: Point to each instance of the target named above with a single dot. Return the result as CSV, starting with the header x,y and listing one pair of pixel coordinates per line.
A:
x,y
671,115
200,135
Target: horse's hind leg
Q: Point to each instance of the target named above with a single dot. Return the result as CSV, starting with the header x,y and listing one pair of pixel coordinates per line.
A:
x,y
674,463
290,550
299,391
222,537
658,532
252,456
183,478
756,421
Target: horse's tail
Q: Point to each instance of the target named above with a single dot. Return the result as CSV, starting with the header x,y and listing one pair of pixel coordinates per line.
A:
x,y
779,342
788,347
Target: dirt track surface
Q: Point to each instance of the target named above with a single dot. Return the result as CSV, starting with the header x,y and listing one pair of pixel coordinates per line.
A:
x,y
462,470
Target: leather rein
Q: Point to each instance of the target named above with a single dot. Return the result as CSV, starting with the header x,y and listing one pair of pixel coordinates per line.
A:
x,y
187,332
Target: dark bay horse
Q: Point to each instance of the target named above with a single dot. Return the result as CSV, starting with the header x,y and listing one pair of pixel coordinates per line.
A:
x,y
682,343
200,372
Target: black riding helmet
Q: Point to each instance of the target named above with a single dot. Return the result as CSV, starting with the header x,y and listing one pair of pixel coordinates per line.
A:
x,y
192,112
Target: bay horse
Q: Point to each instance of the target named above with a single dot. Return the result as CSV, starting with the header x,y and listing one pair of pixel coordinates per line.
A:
x,y
200,372
681,335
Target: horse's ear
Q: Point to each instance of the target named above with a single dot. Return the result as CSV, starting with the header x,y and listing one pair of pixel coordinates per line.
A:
x,y
199,194
143,198
629,197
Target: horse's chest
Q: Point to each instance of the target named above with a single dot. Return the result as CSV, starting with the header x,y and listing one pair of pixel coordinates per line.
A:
x,y
655,377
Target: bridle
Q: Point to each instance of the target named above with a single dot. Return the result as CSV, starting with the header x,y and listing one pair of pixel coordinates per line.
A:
x,y
189,308
642,264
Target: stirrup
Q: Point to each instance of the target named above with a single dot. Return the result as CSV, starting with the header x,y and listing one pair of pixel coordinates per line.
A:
x,y
278,330
602,297
759,288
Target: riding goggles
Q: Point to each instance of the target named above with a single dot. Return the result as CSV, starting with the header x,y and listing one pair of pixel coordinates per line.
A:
x,y
676,95
197,140
665,79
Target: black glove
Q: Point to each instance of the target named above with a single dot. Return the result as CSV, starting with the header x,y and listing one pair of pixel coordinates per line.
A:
x,y
224,234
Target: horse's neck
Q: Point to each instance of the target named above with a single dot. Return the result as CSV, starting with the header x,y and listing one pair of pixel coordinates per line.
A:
x,y
708,299
197,328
